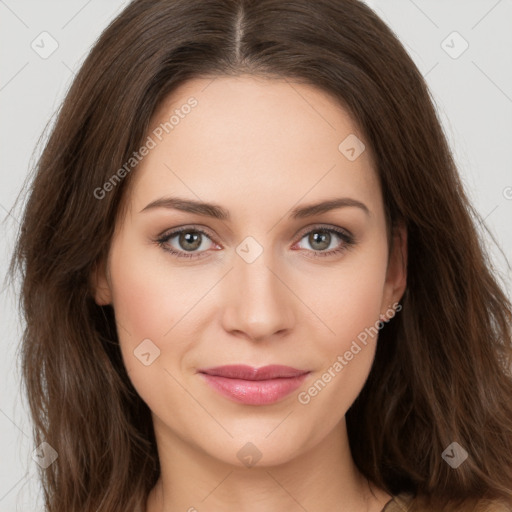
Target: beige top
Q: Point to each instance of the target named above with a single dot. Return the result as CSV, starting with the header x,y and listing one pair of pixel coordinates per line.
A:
x,y
401,503
398,503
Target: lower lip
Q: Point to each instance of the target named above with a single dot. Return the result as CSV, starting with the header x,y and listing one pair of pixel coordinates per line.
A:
x,y
254,392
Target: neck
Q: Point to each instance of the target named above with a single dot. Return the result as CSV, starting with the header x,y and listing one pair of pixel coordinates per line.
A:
x,y
322,478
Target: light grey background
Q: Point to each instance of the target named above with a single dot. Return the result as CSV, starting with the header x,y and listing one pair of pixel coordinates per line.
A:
x,y
473,93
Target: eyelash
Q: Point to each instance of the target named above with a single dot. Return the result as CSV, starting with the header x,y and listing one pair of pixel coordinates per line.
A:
x,y
347,239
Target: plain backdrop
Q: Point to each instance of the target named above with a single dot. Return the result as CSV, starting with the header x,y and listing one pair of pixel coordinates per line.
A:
x,y
462,48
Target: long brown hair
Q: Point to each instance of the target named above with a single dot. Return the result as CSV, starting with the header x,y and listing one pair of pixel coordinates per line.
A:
x,y
442,368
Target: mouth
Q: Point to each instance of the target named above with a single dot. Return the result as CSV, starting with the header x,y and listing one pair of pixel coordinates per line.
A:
x,y
254,386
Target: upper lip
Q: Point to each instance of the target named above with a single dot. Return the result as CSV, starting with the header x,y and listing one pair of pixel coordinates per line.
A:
x,y
244,372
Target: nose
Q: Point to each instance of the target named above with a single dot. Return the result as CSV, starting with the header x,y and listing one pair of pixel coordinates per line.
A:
x,y
258,303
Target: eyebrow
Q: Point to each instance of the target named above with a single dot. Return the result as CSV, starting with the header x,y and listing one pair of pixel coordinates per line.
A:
x,y
218,212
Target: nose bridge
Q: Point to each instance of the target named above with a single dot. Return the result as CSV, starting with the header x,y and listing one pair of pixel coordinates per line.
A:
x,y
260,304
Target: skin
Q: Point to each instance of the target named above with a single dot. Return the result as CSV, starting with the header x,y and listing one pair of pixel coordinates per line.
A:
x,y
258,147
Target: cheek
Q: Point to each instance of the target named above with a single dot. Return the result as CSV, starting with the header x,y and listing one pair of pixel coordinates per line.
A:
x,y
347,298
145,307
137,297
154,309
349,306
150,295
144,314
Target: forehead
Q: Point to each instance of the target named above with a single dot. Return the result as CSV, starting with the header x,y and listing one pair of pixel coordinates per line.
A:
x,y
251,140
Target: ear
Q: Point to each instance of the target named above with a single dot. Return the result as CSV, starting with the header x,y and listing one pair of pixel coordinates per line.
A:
x,y
396,274
100,284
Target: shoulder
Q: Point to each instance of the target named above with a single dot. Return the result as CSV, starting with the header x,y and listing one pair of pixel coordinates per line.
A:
x,y
404,502
492,506
399,503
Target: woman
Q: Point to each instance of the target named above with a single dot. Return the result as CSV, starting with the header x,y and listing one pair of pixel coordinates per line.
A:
x,y
251,276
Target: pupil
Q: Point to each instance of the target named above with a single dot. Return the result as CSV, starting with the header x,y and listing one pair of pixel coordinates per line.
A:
x,y
190,238
322,238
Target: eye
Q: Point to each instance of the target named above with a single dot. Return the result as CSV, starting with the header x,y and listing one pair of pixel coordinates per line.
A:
x,y
327,241
188,241
192,242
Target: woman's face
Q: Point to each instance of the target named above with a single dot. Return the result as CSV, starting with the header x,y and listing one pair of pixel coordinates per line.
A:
x,y
271,281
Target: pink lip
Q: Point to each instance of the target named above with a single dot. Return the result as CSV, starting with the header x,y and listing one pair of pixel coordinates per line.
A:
x,y
254,386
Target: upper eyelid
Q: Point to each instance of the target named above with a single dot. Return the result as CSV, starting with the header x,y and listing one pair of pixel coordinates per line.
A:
x,y
325,227
171,233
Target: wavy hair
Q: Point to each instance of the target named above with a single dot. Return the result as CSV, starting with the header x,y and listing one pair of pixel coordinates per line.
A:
x,y
442,369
